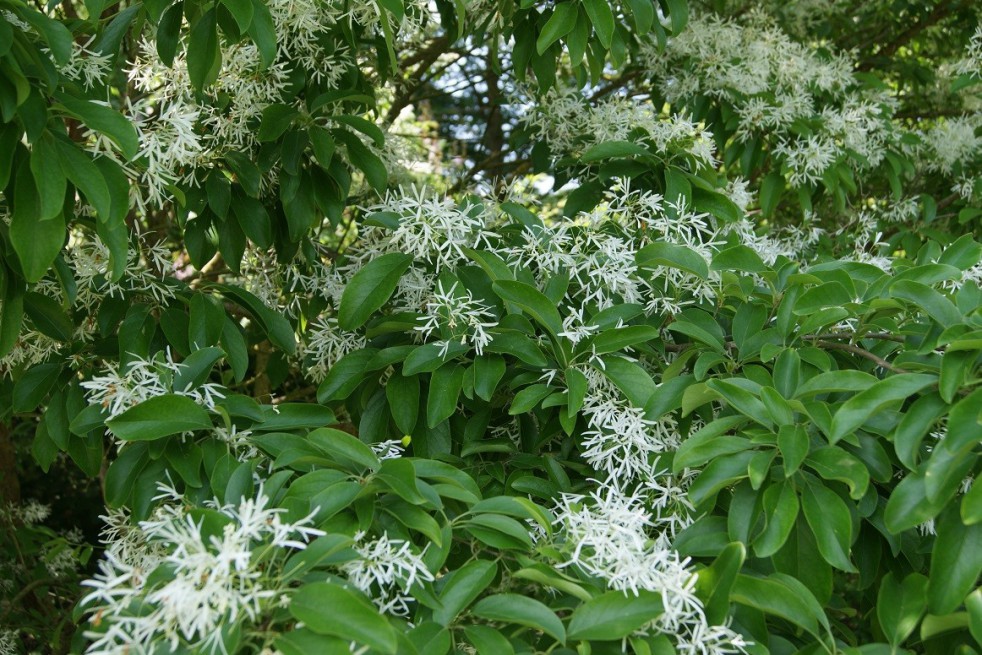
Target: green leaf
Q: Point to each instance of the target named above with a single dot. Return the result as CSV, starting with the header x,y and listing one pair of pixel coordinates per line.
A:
x,y
204,56
780,596
12,294
971,506
973,603
560,23
829,294
678,12
836,381
242,11
159,417
719,473
444,391
644,14
106,120
909,505
602,18
513,608
370,288
488,641
345,448
793,442
462,587
274,324
833,463
49,179
169,32
956,562
33,386
741,400
529,398
488,371
54,32
303,641
614,615
633,381
613,150
263,32
780,505
673,256
364,159
715,583
738,258
36,242
48,316
402,394
532,301
830,521
323,145
329,609
499,532
935,305
900,606
276,119
864,405
84,174
770,193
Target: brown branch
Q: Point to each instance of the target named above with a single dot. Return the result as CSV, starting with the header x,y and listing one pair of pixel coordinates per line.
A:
x,y
882,336
856,350
937,15
425,57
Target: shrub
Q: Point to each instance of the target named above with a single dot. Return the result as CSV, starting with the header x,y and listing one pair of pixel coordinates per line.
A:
x,y
431,327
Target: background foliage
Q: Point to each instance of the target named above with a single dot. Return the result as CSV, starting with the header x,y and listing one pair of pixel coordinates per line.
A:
x,y
490,326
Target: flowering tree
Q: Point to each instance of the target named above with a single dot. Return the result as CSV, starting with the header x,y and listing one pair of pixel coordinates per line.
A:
x,y
490,326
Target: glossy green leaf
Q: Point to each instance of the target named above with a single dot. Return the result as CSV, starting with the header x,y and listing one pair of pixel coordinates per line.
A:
x,y
370,288
900,606
560,23
159,417
780,505
521,610
861,407
956,562
462,588
614,615
532,301
329,609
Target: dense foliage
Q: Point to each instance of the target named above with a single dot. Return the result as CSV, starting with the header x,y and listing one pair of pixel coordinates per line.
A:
x,y
490,326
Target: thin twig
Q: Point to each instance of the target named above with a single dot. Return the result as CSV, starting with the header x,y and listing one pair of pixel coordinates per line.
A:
x,y
856,350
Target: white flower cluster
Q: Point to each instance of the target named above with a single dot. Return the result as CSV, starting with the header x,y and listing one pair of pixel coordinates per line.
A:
x,y
385,570
458,315
140,379
89,261
953,143
326,343
180,131
86,66
773,83
571,124
620,441
608,537
972,63
431,229
172,580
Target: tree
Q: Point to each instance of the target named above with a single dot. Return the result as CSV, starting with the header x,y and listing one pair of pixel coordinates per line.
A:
x,y
491,326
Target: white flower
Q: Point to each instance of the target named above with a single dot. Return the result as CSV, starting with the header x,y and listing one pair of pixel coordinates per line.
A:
x,y
210,581
385,570
457,316
608,536
326,343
